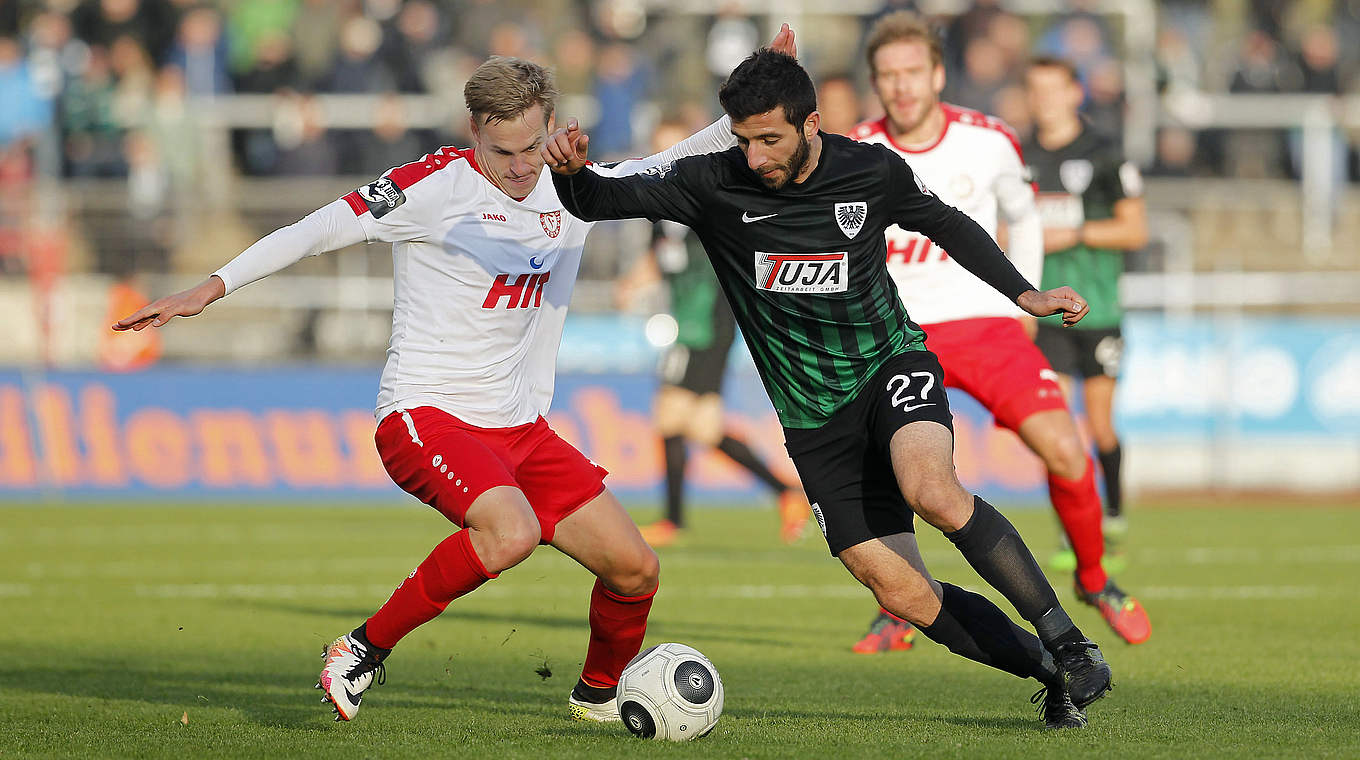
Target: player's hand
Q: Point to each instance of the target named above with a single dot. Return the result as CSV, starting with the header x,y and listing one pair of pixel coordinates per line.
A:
x,y
565,149
185,303
783,42
1063,300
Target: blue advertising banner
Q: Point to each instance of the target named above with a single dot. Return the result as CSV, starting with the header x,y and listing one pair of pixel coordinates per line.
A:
x,y
269,433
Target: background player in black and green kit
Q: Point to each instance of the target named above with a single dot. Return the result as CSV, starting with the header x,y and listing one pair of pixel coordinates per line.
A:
x,y
1091,202
793,221
688,404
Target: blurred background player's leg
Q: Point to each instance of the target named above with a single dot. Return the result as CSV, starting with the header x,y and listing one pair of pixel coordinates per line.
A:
x,y
1099,397
683,415
670,409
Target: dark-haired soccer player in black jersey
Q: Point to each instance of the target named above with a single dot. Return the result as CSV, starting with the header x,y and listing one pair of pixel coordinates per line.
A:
x,y
793,219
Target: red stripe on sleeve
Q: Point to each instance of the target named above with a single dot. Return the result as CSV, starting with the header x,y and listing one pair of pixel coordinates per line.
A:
x,y
356,203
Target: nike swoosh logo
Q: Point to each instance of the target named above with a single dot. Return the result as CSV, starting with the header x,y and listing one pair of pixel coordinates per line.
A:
x,y
532,265
914,407
746,217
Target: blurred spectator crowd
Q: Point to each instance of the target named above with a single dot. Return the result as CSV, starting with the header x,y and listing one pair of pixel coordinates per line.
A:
x,y
107,88
110,79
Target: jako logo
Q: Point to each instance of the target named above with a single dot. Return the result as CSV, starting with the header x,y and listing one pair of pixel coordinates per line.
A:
x,y
525,288
802,272
493,217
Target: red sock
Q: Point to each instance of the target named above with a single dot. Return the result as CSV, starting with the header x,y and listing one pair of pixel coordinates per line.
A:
x,y
617,625
1078,506
451,570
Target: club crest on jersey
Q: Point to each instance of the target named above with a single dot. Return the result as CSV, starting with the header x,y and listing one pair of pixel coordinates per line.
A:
x,y
552,223
803,272
850,217
1076,175
382,196
660,170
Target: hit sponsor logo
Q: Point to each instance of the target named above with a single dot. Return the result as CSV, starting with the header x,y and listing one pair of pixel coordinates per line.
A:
x,y
517,294
913,250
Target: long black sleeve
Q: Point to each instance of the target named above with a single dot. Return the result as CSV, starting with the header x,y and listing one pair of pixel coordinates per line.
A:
x,y
916,208
658,193
967,243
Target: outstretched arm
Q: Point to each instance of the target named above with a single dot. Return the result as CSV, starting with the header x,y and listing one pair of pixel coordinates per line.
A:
x,y
186,303
327,229
967,243
660,192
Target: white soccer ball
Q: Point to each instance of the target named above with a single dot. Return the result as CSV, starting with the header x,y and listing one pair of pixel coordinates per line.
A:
x,y
670,691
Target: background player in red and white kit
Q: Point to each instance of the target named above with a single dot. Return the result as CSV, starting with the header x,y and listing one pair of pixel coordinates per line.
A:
x,y
972,161
484,261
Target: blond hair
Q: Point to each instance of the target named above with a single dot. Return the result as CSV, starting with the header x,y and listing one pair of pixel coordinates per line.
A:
x,y
503,88
902,26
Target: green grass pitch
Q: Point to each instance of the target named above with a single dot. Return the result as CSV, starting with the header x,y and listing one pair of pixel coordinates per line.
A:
x,y
196,632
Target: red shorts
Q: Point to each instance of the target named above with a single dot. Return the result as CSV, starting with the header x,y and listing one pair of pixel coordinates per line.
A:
x,y
448,463
995,362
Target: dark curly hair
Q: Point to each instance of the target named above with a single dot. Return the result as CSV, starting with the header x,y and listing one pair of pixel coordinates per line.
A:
x,y
767,79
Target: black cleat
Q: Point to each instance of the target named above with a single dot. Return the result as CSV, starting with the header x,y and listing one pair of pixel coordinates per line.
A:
x,y
1084,670
1057,708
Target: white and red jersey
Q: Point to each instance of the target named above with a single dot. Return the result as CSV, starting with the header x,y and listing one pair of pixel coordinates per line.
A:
x,y
481,281
975,166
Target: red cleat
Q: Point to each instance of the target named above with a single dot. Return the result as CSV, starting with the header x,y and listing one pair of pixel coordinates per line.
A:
x,y
660,533
793,515
1123,613
888,633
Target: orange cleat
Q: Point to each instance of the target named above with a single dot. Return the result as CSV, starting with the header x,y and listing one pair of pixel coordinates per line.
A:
x,y
887,633
1122,612
793,515
660,533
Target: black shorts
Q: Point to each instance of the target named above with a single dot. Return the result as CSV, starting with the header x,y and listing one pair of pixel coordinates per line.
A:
x,y
1082,353
699,370
845,464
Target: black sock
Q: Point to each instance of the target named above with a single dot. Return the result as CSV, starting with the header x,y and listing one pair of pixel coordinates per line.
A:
x,y
995,550
593,694
361,634
971,626
740,453
674,448
1114,488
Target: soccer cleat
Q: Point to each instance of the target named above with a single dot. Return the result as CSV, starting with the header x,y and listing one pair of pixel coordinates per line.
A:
x,y
1057,708
1123,613
1063,560
1084,670
660,533
582,708
349,668
793,515
886,634
1115,528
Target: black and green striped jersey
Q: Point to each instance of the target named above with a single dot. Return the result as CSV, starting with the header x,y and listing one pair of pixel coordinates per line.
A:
x,y
1078,182
804,267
